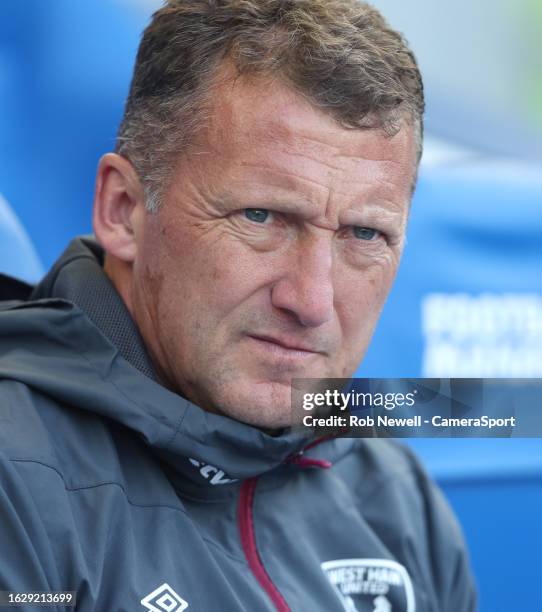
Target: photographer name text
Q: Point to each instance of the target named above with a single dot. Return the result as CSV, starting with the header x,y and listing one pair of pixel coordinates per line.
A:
x,y
350,421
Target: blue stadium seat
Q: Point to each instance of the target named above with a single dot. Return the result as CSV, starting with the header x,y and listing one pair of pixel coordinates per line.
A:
x,y
64,73
17,255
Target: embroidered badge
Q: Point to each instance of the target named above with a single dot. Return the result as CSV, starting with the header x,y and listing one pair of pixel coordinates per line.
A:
x,y
371,585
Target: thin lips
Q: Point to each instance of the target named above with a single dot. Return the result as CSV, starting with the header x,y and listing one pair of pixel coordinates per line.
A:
x,y
287,345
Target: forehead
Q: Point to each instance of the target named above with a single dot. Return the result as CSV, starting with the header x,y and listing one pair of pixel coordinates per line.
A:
x,y
265,110
263,130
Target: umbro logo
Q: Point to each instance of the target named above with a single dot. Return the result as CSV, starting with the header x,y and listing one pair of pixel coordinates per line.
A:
x,y
164,599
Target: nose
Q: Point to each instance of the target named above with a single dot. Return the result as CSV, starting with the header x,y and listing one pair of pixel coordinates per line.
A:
x,y
305,289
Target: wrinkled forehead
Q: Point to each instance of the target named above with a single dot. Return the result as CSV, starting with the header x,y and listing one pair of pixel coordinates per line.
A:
x,y
267,111
264,122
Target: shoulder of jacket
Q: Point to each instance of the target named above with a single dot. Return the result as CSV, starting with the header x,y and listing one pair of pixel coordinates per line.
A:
x,y
380,460
384,474
37,430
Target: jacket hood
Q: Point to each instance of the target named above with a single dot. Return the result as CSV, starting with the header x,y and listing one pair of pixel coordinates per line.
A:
x,y
53,346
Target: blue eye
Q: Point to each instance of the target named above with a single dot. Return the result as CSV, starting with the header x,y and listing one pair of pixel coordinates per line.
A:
x,y
258,215
364,233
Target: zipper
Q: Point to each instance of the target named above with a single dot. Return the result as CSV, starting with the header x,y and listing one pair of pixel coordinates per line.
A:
x,y
248,541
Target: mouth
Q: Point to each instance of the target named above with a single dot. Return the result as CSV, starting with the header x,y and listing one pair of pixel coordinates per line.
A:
x,y
285,347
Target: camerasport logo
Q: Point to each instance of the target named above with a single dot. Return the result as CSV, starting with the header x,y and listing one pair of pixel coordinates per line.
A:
x,y
164,599
371,585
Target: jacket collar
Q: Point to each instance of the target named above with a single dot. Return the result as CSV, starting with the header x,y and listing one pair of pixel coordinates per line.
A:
x,y
78,277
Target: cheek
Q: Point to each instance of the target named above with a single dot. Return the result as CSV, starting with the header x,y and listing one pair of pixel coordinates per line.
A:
x,y
358,315
209,275
360,297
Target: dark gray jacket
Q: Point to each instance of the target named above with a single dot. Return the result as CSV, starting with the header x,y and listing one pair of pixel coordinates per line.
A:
x,y
116,488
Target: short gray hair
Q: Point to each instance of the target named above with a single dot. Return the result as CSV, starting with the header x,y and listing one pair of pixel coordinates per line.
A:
x,y
339,54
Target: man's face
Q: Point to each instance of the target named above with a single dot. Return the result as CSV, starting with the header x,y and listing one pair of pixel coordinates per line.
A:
x,y
272,254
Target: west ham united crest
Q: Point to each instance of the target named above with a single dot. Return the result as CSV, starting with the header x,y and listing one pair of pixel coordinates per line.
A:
x,y
371,585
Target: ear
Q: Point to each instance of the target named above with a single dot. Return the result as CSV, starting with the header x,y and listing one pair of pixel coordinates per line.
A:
x,y
119,207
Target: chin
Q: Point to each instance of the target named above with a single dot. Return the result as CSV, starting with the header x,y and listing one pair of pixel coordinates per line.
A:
x,y
265,405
